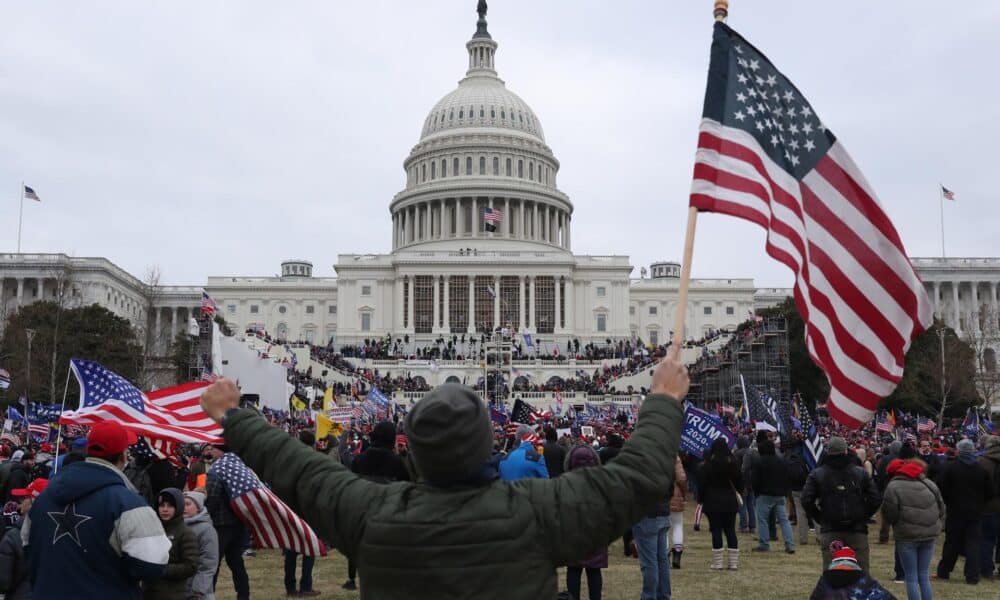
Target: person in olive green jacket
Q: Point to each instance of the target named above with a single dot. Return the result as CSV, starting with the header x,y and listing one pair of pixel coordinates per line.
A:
x,y
460,532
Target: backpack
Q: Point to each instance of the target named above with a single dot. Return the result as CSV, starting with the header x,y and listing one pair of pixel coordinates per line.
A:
x,y
140,479
841,498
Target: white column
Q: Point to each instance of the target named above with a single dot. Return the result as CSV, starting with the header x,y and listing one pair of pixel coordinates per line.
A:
x,y
955,307
399,304
411,326
159,329
508,225
552,224
20,291
496,302
435,326
570,306
520,303
173,323
569,237
558,312
472,305
447,309
993,304
535,229
534,301
441,219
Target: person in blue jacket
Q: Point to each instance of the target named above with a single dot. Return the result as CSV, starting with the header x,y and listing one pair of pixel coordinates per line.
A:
x,y
524,462
89,534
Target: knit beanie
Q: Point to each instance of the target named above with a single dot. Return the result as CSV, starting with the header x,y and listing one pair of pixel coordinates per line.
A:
x,y
895,447
197,497
384,435
449,433
907,451
966,451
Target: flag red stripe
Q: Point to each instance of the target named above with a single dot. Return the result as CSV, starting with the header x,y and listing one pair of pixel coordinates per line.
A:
x,y
282,518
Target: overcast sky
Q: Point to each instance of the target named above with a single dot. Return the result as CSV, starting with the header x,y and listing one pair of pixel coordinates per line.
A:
x,y
219,138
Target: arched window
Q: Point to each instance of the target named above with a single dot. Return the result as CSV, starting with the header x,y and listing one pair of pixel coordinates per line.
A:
x,y
482,112
503,114
423,172
493,112
454,167
520,169
531,171
482,165
451,115
520,117
468,165
444,168
433,169
496,166
989,360
461,113
508,167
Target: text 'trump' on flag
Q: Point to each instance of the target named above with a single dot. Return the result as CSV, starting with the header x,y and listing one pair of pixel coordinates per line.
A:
x,y
765,156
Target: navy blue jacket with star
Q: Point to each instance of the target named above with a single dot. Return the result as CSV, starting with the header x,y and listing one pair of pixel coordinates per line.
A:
x,y
90,535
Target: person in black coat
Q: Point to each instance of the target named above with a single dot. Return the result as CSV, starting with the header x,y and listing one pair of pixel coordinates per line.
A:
x,y
966,488
555,455
19,476
719,478
771,483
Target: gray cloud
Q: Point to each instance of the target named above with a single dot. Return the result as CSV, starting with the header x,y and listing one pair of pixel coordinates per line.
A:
x,y
222,139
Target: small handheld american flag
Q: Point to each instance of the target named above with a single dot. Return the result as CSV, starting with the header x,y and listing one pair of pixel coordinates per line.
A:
x,y
271,522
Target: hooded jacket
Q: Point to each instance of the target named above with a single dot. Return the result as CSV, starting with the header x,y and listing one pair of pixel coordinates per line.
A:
x,y
966,488
912,504
184,556
14,584
833,469
494,540
100,534
523,463
202,584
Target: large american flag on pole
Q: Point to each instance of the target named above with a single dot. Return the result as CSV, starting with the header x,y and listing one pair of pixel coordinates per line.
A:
x,y
165,417
271,522
765,156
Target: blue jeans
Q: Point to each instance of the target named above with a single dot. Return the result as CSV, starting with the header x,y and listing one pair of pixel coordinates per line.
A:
x,y
306,583
991,531
765,504
916,559
651,541
748,518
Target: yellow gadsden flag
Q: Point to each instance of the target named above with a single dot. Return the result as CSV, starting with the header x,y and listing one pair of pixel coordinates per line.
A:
x,y
326,426
328,399
297,403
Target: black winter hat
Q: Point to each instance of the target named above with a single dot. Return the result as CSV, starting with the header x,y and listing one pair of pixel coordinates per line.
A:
x,y
449,433
384,435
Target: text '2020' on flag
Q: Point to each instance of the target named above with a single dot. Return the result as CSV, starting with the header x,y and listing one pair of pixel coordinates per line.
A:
x,y
765,156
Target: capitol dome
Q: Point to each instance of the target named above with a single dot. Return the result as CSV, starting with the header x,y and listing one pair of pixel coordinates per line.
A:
x,y
481,169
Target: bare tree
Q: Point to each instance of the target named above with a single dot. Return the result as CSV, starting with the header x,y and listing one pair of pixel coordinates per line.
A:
x,y
985,342
66,294
153,346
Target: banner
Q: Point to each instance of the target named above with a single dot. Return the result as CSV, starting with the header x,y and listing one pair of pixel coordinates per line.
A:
x,y
701,429
341,415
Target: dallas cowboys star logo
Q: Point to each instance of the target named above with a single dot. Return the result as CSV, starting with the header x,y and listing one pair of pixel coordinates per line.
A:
x,y
68,524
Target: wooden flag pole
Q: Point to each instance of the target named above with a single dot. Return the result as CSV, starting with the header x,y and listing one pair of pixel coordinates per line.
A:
x,y
721,11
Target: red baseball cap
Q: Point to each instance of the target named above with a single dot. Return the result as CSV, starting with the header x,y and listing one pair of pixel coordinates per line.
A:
x,y
109,438
34,489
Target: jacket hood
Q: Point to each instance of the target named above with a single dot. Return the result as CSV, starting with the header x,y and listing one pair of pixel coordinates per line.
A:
x,y
581,456
900,467
201,517
838,461
84,478
178,498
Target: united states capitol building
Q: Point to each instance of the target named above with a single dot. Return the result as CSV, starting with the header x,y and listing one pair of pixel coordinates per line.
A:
x,y
481,151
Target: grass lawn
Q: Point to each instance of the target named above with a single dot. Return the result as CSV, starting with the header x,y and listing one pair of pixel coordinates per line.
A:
x,y
775,575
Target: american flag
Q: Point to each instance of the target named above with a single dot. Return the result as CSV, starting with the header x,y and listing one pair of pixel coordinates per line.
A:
x,y
208,306
164,416
764,156
30,194
523,413
882,423
39,430
492,217
813,443
948,194
271,522
925,425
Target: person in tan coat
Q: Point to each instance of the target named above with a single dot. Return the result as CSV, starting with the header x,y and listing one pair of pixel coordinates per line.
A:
x,y
677,504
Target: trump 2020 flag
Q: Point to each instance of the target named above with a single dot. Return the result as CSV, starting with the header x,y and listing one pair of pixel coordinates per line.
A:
x,y
271,522
765,156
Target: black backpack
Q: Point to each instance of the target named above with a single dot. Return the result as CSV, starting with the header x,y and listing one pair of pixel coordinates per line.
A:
x,y
841,499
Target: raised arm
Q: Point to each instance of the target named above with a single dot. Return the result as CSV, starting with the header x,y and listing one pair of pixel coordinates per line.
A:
x,y
329,497
583,510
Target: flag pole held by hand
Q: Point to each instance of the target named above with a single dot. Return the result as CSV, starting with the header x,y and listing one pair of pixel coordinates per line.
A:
x,y
721,11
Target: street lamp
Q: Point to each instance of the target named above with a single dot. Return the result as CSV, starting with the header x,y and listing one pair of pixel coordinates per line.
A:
x,y
30,334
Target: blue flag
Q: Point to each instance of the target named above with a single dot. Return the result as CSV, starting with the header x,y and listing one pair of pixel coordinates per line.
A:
x,y
701,429
971,425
